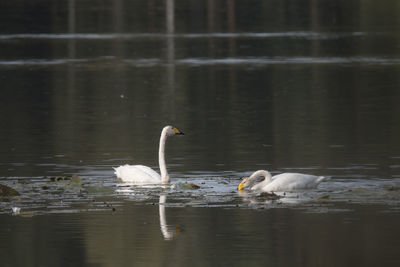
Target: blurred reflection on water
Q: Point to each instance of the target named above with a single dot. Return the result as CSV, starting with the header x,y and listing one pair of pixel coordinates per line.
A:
x,y
224,237
299,86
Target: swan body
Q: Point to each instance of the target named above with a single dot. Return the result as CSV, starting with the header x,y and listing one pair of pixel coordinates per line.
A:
x,y
137,174
281,182
145,175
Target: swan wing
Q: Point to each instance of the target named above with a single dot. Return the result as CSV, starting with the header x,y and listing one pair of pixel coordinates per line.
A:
x,y
293,181
137,174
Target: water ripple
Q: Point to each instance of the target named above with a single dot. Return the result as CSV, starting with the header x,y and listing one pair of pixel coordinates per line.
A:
x,y
287,60
194,62
40,62
40,195
107,36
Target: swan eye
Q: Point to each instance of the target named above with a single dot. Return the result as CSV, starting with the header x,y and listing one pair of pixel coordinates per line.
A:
x,y
176,131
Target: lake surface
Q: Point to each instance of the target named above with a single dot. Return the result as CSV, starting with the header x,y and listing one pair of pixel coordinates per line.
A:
x,y
304,86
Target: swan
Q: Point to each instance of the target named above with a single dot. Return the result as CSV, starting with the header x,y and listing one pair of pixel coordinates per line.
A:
x,y
281,182
143,174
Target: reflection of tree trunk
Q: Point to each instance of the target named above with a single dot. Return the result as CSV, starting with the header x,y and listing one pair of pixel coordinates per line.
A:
x,y
118,26
67,99
211,53
170,16
71,28
170,74
232,42
170,31
231,15
231,27
314,25
71,44
317,96
118,15
170,58
211,26
211,15
314,14
151,15
119,44
212,18
233,96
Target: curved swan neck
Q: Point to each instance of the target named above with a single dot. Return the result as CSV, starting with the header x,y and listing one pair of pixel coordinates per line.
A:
x,y
262,173
267,178
161,158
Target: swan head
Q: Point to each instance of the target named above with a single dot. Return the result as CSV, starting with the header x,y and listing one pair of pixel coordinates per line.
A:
x,y
246,182
170,130
249,181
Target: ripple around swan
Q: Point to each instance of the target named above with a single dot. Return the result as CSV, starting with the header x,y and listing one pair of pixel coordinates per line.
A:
x,y
97,189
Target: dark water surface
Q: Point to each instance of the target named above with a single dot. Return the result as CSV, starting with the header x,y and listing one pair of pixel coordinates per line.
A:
x,y
288,86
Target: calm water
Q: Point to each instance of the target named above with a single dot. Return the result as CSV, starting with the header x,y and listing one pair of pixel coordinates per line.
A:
x,y
299,86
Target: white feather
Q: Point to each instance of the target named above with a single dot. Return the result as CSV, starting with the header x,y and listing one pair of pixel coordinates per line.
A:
x,y
137,174
281,182
144,175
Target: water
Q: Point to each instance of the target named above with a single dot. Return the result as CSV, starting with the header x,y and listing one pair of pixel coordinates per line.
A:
x,y
305,87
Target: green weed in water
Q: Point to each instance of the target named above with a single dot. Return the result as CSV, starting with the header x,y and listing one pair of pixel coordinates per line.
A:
x,y
6,191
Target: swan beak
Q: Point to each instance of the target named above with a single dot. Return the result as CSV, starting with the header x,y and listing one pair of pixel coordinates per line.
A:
x,y
241,185
177,131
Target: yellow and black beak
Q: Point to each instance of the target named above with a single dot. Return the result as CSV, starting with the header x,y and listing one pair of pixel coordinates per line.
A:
x,y
241,185
177,131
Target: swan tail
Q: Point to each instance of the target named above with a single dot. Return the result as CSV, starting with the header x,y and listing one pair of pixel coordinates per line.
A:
x,y
323,178
118,171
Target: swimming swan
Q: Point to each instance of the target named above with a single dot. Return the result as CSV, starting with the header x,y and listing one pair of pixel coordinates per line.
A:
x,y
143,174
281,182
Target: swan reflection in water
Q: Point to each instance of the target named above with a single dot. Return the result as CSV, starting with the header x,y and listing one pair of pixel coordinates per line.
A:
x,y
169,232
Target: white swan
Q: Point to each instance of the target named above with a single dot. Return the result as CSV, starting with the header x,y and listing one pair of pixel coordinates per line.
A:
x,y
143,174
281,182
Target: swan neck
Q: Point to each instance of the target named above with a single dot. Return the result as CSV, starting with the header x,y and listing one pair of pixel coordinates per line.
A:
x,y
161,158
265,174
260,185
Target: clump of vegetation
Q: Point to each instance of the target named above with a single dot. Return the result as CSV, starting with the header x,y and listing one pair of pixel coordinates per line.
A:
x,y
74,179
99,189
392,188
322,198
71,180
59,179
6,191
189,186
269,196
